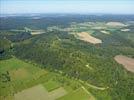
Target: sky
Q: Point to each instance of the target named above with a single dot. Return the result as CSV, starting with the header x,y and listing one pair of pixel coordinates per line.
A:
x,y
67,6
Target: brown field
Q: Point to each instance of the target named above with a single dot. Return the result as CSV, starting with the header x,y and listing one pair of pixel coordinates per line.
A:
x,y
127,62
40,93
115,24
88,38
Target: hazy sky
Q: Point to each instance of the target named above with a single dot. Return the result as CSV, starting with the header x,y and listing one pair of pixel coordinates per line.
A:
x,y
67,6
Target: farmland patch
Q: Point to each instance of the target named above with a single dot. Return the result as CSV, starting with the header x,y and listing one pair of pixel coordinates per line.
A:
x,y
38,92
88,38
19,73
127,62
79,94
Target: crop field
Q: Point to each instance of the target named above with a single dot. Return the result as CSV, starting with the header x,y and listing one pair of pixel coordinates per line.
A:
x,y
51,85
79,94
57,93
114,24
35,93
19,73
18,76
127,62
38,92
26,81
88,38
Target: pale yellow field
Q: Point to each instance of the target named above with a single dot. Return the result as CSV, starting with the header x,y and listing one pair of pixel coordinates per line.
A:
x,y
37,32
127,62
88,38
105,32
125,30
115,24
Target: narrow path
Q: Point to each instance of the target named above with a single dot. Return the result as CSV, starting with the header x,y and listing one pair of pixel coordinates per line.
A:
x,y
85,90
93,86
91,96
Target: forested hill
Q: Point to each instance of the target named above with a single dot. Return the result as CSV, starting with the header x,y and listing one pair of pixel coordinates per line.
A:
x,y
43,21
60,51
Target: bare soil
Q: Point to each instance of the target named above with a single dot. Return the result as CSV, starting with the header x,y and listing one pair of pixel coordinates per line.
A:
x,y
127,62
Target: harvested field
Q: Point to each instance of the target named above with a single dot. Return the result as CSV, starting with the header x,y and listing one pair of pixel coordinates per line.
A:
x,y
115,24
88,38
34,93
127,62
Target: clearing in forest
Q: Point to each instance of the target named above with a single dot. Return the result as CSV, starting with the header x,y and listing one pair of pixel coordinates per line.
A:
x,y
88,38
127,62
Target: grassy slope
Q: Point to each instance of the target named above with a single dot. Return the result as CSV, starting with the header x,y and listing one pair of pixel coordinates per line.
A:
x,y
51,85
22,75
78,94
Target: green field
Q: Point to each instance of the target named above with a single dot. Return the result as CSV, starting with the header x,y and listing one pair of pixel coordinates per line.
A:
x,y
51,85
17,75
79,94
